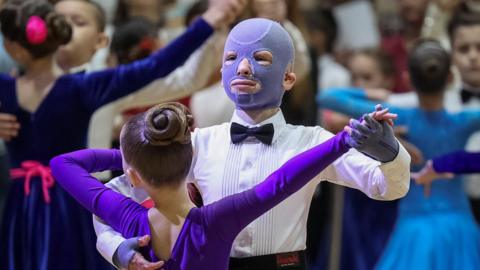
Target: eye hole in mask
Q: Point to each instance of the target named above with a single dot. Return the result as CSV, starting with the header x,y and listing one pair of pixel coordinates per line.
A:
x,y
264,58
230,58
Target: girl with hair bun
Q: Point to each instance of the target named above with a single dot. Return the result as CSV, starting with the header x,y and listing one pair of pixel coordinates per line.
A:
x,y
156,154
435,228
43,227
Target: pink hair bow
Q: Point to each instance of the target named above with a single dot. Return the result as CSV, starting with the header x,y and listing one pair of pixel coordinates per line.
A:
x,y
36,30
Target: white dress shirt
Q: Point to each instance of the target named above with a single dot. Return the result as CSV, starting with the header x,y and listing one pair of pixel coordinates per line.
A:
x,y
108,239
220,168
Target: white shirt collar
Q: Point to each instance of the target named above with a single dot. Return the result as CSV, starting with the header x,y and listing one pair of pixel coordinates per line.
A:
x,y
470,88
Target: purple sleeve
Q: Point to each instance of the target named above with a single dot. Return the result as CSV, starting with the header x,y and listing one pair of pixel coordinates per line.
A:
x,y
458,162
230,215
99,88
72,172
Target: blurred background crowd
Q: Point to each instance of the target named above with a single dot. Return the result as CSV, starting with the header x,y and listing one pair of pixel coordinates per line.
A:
x,y
338,44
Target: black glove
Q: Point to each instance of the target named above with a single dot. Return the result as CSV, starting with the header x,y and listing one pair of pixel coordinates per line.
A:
x,y
374,139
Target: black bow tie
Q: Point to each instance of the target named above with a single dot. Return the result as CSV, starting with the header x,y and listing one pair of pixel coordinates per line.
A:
x,y
264,133
468,95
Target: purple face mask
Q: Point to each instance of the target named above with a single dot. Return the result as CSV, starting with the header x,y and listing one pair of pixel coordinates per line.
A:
x,y
247,38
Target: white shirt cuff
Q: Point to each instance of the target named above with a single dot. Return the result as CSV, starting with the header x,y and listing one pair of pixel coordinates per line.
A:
x,y
107,244
397,176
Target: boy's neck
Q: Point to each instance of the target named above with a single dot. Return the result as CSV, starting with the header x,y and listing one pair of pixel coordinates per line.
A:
x,y
256,116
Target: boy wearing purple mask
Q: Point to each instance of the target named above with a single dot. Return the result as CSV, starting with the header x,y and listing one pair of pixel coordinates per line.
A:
x,y
232,157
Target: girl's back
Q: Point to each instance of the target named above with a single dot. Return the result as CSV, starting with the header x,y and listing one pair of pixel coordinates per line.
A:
x,y
437,133
438,231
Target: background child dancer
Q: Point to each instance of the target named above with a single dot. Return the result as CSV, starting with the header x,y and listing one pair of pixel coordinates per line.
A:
x,y
463,32
41,100
88,22
464,35
438,232
369,69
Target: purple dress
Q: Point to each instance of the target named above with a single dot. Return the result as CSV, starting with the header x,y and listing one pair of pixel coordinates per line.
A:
x,y
208,232
47,229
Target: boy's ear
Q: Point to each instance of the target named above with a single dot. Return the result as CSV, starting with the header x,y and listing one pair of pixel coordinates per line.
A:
x,y
102,41
289,80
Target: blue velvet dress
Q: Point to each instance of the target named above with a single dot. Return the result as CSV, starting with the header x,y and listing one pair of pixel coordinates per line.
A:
x,y
59,234
435,232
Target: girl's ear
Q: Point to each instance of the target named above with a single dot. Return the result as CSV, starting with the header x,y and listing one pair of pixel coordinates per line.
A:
x,y
16,51
135,179
102,41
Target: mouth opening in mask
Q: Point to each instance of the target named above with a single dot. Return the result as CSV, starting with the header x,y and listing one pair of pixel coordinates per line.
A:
x,y
245,85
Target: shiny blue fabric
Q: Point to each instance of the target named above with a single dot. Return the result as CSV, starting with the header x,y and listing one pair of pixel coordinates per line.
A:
x,y
435,232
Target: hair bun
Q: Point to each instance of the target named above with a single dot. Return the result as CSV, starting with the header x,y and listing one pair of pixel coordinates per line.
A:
x,y
431,58
431,67
161,120
60,29
167,123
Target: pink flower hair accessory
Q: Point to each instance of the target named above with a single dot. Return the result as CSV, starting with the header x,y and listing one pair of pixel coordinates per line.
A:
x,y
36,30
